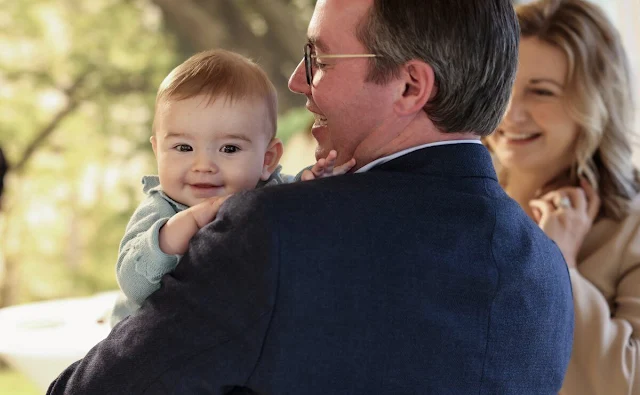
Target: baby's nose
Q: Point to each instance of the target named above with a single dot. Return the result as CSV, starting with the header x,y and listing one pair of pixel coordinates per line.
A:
x,y
204,162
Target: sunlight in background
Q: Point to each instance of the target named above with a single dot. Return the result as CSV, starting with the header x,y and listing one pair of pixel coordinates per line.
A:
x,y
39,214
625,14
70,206
57,34
51,100
89,185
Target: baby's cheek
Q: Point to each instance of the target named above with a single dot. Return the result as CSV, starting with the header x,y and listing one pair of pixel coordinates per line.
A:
x,y
240,182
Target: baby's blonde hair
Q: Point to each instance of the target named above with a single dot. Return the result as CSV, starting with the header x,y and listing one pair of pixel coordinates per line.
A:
x,y
220,73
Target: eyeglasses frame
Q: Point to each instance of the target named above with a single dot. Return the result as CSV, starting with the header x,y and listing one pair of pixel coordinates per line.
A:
x,y
308,55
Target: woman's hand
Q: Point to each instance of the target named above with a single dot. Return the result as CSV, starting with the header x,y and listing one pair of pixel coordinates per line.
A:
x,y
326,167
566,215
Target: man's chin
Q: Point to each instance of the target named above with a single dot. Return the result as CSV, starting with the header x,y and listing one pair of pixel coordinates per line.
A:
x,y
322,152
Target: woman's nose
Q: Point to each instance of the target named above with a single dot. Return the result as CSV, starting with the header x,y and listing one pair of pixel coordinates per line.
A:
x,y
516,110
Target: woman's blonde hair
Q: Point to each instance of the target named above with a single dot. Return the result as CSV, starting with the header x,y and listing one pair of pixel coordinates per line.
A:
x,y
598,94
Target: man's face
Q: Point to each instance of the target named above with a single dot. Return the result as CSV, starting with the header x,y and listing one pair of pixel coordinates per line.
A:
x,y
349,112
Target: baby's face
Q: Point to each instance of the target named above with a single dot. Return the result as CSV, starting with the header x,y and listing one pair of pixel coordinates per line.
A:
x,y
210,149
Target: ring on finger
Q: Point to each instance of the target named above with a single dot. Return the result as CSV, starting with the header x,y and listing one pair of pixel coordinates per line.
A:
x,y
565,202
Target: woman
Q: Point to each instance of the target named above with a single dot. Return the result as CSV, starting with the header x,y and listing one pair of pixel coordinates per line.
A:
x,y
563,152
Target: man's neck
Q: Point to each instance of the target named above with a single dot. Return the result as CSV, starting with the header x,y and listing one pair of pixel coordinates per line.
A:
x,y
416,132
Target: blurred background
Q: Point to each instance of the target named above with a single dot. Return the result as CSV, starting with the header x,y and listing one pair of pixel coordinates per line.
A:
x,y
77,87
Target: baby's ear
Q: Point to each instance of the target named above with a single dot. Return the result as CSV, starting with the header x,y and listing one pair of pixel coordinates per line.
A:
x,y
271,158
154,145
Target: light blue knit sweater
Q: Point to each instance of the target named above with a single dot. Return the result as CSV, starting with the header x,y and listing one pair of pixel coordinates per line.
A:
x,y
141,263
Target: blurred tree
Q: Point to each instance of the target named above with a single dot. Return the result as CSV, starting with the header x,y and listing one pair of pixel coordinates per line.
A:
x,y
77,86
4,168
272,32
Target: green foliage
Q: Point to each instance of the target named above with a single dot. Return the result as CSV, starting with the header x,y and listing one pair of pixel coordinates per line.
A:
x,y
77,88
12,382
293,121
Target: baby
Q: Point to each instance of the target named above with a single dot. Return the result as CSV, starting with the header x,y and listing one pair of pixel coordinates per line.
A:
x,y
213,135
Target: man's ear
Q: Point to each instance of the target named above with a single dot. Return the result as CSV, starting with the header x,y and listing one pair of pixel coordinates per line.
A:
x,y
418,87
154,145
271,158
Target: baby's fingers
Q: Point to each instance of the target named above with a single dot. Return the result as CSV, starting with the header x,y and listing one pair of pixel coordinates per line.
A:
x,y
307,175
344,168
204,212
216,202
318,169
329,163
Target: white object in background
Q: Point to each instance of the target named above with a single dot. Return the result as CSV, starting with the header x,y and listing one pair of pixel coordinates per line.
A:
x,y
41,339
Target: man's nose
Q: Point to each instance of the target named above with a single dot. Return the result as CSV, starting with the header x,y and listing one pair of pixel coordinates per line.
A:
x,y
298,80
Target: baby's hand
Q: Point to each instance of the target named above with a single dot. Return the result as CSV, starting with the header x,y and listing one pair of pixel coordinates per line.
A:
x,y
205,212
326,167
178,231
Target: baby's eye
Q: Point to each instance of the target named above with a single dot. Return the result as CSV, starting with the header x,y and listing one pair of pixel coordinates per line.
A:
x,y
229,149
183,148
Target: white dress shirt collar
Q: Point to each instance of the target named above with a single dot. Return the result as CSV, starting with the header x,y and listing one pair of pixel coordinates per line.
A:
x,y
384,159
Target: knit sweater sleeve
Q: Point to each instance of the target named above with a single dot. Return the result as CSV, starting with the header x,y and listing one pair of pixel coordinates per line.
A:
x,y
141,263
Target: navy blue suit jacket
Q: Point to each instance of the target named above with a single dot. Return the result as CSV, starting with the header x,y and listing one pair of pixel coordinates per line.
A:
x,y
418,277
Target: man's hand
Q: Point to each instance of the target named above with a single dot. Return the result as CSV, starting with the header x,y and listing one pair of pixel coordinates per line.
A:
x,y
566,215
178,231
326,167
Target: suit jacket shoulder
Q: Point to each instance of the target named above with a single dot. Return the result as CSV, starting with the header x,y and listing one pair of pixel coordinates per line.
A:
x,y
419,276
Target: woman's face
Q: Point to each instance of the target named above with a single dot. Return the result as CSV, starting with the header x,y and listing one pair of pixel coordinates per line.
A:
x,y
537,135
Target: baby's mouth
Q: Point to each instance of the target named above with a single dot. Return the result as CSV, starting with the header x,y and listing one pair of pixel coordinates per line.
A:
x,y
204,186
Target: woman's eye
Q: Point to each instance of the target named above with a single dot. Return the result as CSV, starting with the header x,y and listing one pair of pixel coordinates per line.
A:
x,y
229,149
183,148
542,92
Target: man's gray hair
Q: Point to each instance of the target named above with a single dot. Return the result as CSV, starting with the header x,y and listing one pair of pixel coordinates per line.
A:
x,y
472,46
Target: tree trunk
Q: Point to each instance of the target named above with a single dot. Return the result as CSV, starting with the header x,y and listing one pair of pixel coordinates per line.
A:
x,y
9,281
202,25
9,273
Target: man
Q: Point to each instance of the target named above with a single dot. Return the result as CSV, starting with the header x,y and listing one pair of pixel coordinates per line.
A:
x,y
415,276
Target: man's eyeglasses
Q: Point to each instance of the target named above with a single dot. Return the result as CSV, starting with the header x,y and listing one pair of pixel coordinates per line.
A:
x,y
310,59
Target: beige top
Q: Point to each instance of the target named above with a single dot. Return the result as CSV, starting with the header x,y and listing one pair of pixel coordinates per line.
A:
x,y
606,291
